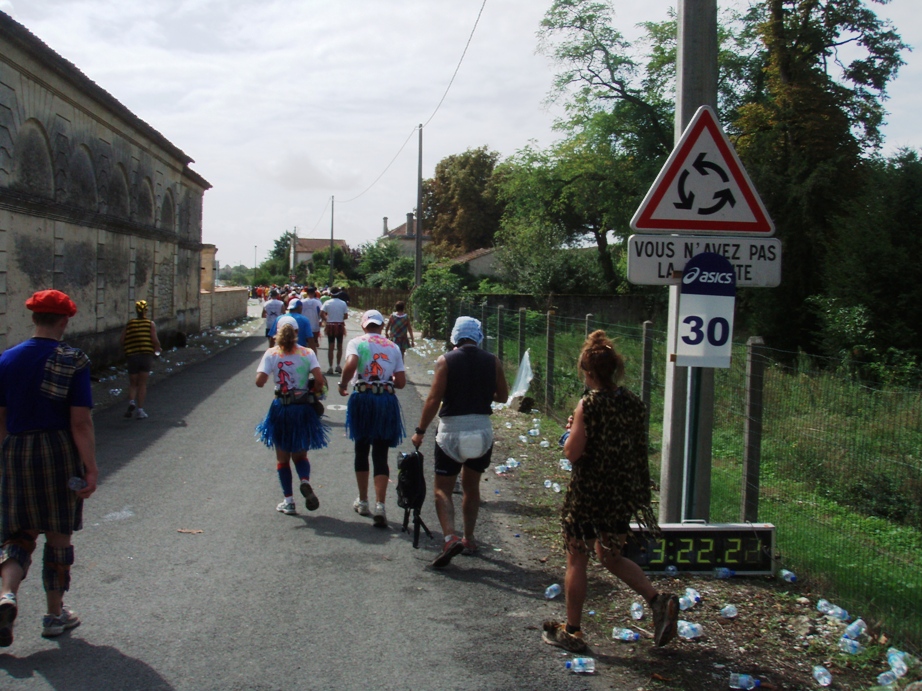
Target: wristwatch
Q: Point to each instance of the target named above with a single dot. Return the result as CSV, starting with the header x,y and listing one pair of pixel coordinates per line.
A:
x,y
420,431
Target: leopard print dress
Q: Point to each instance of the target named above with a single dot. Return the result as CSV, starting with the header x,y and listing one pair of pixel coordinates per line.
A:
x,y
610,482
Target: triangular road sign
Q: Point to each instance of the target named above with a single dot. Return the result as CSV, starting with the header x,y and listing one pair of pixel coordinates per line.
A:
x,y
703,188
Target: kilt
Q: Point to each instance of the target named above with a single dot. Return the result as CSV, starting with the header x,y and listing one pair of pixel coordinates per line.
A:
x,y
375,416
34,470
292,428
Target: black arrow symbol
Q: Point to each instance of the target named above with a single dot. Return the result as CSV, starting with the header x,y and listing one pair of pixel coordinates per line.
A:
x,y
701,166
687,199
723,197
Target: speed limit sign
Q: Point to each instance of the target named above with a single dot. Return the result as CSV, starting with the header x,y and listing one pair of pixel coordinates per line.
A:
x,y
704,337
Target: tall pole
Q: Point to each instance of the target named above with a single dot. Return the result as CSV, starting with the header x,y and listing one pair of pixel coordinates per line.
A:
x,y
419,212
332,202
254,266
688,496
294,251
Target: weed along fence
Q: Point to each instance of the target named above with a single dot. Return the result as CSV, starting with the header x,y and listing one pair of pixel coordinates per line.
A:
x,y
835,465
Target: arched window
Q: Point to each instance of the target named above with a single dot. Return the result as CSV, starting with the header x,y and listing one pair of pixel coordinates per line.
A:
x,y
167,215
82,185
145,202
118,193
32,170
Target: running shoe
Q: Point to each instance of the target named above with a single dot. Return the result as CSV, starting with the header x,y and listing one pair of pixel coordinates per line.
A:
x,y
287,507
7,617
139,414
361,507
56,625
451,549
339,370
131,407
665,608
469,547
310,499
380,515
555,633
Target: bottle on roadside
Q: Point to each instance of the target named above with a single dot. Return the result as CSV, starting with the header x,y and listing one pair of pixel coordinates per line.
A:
x,y
581,665
822,675
847,645
636,611
672,570
689,630
728,611
621,634
547,484
743,681
556,487
512,463
552,591
855,629
544,444
788,576
693,595
565,465
534,432
886,678
724,572
686,603
501,469
523,439
897,661
831,610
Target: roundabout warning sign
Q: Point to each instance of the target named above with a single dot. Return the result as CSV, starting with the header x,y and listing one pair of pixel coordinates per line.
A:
x,y
703,188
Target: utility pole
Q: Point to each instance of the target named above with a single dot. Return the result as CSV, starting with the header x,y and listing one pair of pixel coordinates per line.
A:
x,y
294,251
254,266
419,212
689,391
332,202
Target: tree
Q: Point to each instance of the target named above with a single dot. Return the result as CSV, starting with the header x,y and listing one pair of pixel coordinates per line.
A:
x,y
461,210
342,263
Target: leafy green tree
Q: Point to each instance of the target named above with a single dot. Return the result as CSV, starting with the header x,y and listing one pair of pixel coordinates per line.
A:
x,y
432,299
342,263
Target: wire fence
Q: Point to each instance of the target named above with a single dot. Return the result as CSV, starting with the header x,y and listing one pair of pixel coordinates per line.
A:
x,y
841,463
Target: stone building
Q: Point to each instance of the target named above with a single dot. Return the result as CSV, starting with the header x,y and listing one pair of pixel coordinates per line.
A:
x,y
405,236
93,201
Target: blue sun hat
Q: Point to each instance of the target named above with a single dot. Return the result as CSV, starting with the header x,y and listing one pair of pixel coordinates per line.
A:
x,y
466,328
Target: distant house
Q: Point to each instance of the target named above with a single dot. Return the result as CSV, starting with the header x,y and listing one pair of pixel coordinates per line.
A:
x,y
305,248
480,262
405,235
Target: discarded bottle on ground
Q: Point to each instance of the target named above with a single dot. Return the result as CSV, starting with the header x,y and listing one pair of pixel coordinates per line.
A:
x,y
512,463
547,484
689,630
565,465
544,444
636,611
822,675
693,595
552,591
685,603
672,570
743,681
724,572
847,645
788,576
621,634
555,487
523,439
831,610
897,661
855,629
534,432
886,678
501,469
581,665
729,611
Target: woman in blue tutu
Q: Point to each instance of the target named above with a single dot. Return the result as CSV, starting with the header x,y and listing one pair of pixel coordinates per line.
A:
x,y
292,426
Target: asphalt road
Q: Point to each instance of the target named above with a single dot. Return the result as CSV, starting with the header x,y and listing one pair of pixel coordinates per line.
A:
x,y
260,600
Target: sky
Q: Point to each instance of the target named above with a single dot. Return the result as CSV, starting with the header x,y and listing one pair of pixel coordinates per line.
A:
x,y
287,104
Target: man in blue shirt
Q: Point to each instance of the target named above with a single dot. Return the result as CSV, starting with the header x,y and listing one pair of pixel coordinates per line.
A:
x,y
305,331
48,453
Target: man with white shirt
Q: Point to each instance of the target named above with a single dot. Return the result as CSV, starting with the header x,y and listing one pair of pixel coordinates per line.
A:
x,y
272,310
334,314
310,308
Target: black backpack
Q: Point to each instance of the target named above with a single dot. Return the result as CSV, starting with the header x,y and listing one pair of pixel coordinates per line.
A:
x,y
411,492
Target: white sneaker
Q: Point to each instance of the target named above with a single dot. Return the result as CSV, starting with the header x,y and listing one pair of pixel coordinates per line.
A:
x,y
287,507
361,507
139,414
380,515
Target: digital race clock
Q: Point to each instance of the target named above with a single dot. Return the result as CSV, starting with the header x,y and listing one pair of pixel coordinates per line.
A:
x,y
746,548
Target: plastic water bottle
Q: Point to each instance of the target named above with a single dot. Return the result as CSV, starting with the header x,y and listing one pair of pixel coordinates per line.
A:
x,y
544,444
693,595
788,576
536,421
547,484
689,630
724,572
729,611
886,678
855,629
686,603
556,487
76,483
552,591
636,611
831,610
847,645
508,425
534,432
565,465
581,665
501,469
897,661
523,439
620,634
672,570
512,463
743,681
822,675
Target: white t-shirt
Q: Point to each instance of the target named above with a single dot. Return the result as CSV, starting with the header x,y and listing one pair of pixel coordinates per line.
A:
x,y
273,309
379,358
310,308
289,370
336,310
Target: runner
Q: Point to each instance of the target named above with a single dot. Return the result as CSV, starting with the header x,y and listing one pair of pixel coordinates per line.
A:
x,y
334,313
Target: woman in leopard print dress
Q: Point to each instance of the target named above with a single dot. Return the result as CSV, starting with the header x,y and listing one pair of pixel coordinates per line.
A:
x,y
609,487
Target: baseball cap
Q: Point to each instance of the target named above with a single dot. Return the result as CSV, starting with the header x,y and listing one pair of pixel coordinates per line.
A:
x,y
372,317
294,304
52,302
286,320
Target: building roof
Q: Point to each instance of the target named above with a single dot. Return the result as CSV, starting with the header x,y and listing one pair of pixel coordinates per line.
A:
x,y
317,245
25,40
401,232
473,254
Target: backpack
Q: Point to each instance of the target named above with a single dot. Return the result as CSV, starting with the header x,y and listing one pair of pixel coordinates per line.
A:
x,y
411,492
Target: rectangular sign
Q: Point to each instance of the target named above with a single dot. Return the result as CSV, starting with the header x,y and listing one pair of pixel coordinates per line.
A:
x,y
652,259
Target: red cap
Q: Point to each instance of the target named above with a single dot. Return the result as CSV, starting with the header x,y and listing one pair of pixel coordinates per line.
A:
x,y
52,302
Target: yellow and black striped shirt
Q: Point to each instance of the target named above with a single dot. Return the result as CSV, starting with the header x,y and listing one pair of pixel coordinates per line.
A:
x,y
137,337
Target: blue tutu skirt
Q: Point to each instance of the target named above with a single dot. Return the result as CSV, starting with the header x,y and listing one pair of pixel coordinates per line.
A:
x,y
371,416
292,428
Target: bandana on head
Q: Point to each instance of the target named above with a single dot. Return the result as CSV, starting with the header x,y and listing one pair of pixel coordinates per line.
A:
x,y
466,328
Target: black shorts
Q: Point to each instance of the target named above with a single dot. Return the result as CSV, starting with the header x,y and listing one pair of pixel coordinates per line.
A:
x,y
140,362
446,465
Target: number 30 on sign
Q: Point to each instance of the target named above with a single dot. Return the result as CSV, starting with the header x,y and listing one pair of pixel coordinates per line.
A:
x,y
705,329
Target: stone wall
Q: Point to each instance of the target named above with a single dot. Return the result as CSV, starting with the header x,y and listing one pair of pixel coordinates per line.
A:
x,y
223,305
93,202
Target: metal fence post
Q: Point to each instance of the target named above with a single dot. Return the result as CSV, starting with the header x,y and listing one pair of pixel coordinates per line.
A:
x,y
646,371
549,375
521,333
483,325
449,322
752,434
499,332
588,324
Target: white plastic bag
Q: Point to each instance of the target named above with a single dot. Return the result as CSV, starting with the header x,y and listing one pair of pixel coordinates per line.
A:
x,y
522,378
